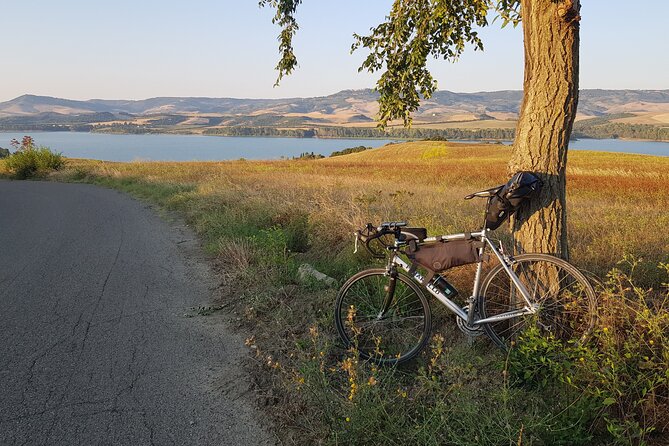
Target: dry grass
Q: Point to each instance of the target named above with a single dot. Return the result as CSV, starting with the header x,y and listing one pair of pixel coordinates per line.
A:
x,y
659,117
617,202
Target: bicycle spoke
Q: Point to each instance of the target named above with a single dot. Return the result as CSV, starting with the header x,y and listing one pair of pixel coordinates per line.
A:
x,y
389,336
563,297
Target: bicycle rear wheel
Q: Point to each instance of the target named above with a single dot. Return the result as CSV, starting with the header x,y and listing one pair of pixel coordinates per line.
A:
x,y
565,300
389,337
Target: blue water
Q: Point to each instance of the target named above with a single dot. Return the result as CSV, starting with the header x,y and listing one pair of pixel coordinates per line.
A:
x,y
620,145
656,148
182,147
211,148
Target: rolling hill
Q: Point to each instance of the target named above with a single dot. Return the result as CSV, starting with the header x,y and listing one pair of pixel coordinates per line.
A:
x,y
356,102
353,109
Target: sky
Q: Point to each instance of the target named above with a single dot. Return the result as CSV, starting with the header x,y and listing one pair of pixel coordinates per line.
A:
x,y
132,49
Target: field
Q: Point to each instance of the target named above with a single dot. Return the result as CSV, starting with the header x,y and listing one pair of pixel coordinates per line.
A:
x,y
260,220
617,202
660,118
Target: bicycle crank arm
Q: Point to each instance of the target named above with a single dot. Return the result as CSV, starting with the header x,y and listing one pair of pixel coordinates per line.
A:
x,y
505,316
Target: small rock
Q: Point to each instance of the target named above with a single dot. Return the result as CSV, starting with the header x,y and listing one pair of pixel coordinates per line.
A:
x,y
306,271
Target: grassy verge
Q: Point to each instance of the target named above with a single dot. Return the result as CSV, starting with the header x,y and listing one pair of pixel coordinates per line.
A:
x,y
260,220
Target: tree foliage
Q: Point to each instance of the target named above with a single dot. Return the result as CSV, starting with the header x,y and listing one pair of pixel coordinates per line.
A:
x,y
285,18
414,31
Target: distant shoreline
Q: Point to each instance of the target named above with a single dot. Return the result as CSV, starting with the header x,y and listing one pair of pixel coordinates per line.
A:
x,y
371,138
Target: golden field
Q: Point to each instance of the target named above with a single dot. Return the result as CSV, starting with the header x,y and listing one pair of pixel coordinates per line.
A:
x,y
617,203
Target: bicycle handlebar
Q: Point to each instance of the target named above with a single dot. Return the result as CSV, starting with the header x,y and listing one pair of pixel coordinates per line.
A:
x,y
370,233
391,225
371,237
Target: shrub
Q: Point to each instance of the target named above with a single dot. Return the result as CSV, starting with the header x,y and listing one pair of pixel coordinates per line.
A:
x,y
308,156
4,153
30,161
350,150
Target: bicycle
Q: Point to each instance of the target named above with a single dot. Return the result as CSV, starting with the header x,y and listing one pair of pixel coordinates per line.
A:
x,y
384,314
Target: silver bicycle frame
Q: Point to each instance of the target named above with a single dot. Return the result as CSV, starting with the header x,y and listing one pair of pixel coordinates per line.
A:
x,y
468,316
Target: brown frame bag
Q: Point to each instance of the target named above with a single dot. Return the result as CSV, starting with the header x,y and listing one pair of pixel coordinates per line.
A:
x,y
440,256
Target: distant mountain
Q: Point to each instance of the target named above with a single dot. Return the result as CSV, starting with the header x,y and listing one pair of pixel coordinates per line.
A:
x,y
358,102
445,109
32,105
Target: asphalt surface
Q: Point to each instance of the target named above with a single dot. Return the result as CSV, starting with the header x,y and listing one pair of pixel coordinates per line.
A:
x,y
99,343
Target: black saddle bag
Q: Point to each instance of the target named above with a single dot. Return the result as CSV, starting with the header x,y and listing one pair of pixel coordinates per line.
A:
x,y
520,188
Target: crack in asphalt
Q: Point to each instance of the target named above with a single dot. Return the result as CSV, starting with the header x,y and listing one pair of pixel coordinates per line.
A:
x,y
66,391
95,346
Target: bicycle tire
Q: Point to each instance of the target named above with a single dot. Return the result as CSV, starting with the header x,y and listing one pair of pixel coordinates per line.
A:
x,y
393,339
567,308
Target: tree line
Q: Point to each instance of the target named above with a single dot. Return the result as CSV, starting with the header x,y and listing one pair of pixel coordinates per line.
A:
x,y
616,130
598,128
365,132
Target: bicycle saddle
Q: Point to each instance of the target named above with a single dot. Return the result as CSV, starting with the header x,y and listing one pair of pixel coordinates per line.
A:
x,y
485,193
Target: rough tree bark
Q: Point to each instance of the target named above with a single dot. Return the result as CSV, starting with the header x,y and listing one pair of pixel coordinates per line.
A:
x,y
551,34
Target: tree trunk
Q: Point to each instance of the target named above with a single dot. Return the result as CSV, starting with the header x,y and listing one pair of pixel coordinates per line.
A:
x,y
551,35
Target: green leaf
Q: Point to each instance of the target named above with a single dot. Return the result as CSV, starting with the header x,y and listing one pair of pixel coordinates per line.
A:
x,y
608,401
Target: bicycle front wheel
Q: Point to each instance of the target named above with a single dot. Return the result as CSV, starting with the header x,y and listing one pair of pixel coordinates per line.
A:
x,y
386,336
562,296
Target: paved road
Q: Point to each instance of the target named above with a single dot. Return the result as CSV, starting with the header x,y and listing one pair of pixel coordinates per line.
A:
x,y
95,347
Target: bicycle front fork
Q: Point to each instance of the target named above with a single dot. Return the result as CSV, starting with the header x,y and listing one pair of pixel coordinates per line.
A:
x,y
389,289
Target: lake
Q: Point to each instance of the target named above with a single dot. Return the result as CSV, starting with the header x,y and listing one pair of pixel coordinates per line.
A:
x,y
211,148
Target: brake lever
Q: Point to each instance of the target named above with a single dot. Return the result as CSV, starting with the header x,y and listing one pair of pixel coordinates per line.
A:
x,y
357,237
